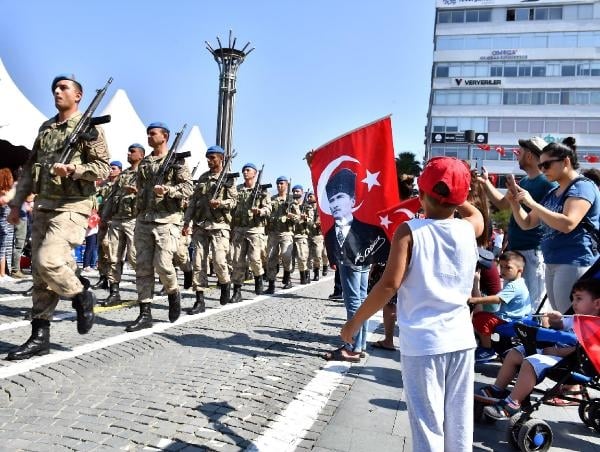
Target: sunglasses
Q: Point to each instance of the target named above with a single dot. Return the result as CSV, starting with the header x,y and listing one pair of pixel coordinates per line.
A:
x,y
548,163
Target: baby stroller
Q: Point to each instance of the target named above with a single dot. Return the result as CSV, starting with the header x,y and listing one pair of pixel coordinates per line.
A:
x,y
580,368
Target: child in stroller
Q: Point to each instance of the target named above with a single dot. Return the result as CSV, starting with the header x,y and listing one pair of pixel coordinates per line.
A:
x,y
532,369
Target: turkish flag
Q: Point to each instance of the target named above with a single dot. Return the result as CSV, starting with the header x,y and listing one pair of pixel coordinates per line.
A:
x,y
587,330
364,159
591,158
484,147
500,150
516,151
393,217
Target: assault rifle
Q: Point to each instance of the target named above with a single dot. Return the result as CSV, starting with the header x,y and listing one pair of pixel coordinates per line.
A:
x,y
85,126
225,174
258,187
288,197
172,157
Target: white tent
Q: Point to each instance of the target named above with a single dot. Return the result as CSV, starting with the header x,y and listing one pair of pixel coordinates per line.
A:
x,y
196,145
125,127
19,118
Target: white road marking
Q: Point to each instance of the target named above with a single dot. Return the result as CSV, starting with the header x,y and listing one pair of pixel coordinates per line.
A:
x,y
34,363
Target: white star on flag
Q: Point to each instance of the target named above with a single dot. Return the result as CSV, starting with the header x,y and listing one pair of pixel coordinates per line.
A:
x,y
371,179
385,221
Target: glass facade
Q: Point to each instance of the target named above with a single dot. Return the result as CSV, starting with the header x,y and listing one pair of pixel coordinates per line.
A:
x,y
589,68
519,41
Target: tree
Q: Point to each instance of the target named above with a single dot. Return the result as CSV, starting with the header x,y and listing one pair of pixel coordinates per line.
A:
x,y
406,163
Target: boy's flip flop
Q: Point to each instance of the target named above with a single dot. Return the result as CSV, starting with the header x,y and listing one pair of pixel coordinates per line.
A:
x,y
337,355
381,345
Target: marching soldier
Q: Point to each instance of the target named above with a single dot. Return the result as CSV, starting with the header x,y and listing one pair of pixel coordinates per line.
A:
x,y
249,219
302,216
64,201
209,211
102,194
158,225
315,239
281,237
119,212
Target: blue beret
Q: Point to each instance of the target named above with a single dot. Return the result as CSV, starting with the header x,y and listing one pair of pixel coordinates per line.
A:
x,y
116,163
298,187
158,125
249,165
282,179
60,77
215,149
136,146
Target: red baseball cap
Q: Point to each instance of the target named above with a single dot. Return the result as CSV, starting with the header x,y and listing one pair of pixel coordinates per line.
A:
x,y
452,172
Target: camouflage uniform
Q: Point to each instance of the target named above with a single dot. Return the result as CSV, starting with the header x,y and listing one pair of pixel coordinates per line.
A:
x,y
315,244
61,210
103,263
211,229
158,225
281,237
119,212
303,219
248,235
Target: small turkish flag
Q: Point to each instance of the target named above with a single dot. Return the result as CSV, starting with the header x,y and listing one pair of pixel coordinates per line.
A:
x,y
592,158
393,217
500,150
516,151
485,147
354,177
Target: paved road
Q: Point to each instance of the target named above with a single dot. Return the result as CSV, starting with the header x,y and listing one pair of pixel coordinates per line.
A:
x,y
246,376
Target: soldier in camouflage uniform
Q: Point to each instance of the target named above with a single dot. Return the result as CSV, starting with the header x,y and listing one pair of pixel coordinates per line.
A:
x,y
302,216
281,237
210,215
102,195
119,212
315,239
158,225
65,199
249,221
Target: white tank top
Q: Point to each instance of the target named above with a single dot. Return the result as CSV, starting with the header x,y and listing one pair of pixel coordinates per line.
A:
x,y
433,315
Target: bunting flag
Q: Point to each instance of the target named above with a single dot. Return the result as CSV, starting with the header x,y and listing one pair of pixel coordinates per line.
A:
x,y
393,217
500,150
484,147
516,151
591,158
361,165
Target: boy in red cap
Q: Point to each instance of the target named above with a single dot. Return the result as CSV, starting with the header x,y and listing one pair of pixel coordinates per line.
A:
x,y
431,266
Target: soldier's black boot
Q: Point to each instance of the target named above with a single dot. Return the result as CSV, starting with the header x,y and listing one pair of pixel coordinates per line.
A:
x,y
258,285
144,320
101,284
271,288
316,275
225,293
174,306
84,281
187,279
303,277
83,303
307,276
237,294
38,343
199,305
287,280
325,270
114,297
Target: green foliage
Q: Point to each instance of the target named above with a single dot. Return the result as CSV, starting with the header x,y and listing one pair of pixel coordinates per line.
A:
x,y
501,217
406,163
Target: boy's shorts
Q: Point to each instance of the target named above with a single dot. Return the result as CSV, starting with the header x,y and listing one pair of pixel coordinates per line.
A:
x,y
486,322
540,362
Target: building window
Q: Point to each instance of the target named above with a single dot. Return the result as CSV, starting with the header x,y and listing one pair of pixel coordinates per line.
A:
x,y
441,71
551,126
538,71
524,71
508,125
536,126
552,97
568,70
565,126
585,11
443,17
522,126
594,127
510,71
493,125
580,127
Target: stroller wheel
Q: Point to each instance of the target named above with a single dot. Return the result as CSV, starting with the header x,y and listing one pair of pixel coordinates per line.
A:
x,y
514,425
585,408
535,435
594,415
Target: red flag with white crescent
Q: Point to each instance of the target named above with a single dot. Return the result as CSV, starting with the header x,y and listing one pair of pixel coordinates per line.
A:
x,y
367,155
393,217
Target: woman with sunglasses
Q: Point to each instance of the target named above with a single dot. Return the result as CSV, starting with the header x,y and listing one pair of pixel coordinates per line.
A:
x,y
567,214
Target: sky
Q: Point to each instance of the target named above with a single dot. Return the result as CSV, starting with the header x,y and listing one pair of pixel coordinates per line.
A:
x,y
320,68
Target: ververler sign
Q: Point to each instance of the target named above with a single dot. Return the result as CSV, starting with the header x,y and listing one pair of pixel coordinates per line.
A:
x,y
475,82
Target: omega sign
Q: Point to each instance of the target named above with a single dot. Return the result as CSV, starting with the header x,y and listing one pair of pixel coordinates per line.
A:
x,y
477,81
503,54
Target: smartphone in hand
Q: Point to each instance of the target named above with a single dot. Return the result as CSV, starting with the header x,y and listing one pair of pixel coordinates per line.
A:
x,y
511,184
